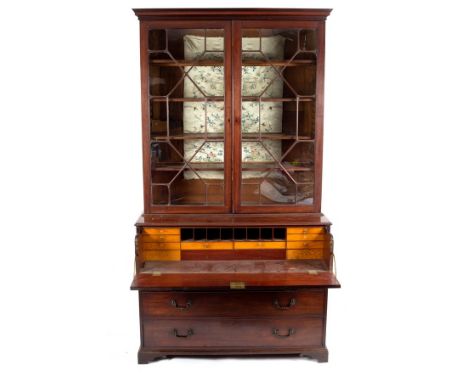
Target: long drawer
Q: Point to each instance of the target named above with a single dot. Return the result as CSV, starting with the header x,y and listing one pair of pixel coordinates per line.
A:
x,y
231,332
232,304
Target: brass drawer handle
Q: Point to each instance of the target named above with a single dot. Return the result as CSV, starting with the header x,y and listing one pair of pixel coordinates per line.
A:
x,y
292,302
181,307
290,333
189,333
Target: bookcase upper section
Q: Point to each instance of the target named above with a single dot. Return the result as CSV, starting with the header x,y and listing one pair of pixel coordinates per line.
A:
x,y
232,109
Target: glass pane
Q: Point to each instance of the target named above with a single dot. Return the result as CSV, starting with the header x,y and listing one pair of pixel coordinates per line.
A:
x,y
278,116
186,85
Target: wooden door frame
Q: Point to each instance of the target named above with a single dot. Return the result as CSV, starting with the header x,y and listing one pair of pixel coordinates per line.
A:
x,y
237,26
145,27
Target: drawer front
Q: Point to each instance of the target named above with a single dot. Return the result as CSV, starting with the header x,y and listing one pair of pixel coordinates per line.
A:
x,y
259,244
160,246
305,253
168,255
160,238
308,244
303,230
232,304
231,332
207,246
162,230
306,236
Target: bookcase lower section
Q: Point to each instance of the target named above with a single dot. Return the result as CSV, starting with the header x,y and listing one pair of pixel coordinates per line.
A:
x,y
241,323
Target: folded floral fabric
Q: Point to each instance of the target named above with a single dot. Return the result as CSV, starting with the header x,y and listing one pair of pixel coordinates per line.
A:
x,y
198,151
208,81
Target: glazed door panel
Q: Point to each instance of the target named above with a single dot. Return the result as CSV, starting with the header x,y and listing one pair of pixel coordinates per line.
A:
x,y
277,66
186,97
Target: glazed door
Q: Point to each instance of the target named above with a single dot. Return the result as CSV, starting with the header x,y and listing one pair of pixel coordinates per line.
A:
x,y
186,95
278,98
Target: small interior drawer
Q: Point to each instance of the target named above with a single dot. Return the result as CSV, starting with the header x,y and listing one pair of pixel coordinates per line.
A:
x,y
207,245
160,246
160,238
306,236
259,244
162,255
294,254
308,244
307,230
162,230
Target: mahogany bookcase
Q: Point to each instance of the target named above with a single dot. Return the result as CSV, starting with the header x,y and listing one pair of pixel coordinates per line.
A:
x,y
232,252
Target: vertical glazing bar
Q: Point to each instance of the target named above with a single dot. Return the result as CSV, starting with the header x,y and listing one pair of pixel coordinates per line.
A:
x,y
167,118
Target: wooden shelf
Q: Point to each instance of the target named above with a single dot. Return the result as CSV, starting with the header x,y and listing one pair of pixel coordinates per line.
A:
x,y
244,99
273,136
208,137
277,62
220,137
178,63
195,166
270,99
266,166
253,166
169,62
181,99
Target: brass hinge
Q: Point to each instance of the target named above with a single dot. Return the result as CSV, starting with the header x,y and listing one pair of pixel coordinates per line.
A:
x,y
237,285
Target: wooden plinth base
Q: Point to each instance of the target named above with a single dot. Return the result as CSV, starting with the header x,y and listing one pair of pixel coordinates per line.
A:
x,y
147,355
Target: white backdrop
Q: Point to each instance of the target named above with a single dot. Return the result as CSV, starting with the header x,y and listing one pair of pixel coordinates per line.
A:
x,y
395,186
